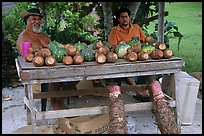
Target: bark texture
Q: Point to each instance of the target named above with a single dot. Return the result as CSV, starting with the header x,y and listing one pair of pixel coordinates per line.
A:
x,y
117,122
165,118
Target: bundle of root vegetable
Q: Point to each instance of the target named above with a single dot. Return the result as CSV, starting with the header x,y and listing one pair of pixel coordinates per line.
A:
x,y
155,51
73,56
104,54
44,57
40,57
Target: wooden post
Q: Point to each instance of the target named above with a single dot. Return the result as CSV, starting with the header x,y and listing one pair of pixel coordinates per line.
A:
x,y
161,15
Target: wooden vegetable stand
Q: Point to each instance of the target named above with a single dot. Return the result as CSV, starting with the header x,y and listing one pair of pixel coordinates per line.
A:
x,y
31,75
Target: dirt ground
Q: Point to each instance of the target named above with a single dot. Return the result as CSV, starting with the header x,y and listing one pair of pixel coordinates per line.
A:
x,y
139,122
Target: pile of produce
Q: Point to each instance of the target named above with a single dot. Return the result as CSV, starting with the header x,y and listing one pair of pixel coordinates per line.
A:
x,y
101,52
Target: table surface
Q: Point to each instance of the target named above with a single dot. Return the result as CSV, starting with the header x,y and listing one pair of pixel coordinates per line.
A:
x,y
30,74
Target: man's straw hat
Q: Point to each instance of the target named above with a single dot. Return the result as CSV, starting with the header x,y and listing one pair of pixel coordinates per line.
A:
x,y
32,11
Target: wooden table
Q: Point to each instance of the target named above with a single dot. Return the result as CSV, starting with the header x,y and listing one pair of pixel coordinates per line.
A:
x,y
31,75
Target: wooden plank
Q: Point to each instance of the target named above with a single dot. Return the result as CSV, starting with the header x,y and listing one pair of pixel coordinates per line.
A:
x,y
26,101
90,111
83,92
84,72
93,77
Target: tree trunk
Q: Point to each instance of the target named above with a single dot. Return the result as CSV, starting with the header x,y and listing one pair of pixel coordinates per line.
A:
x,y
133,6
165,118
108,20
161,16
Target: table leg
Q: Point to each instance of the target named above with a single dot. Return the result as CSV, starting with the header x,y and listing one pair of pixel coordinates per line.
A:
x,y
27,109
32,111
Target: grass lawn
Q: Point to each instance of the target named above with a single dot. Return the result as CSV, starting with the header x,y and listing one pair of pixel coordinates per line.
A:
x,y
188,17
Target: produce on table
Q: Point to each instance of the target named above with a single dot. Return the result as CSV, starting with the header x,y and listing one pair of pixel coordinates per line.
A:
x,y
45,52
133,42
143,56
88,54
132,51
168,53
50,61
150,39
147,48
160,46
33,50
156,54
29,57
111,57
58,50
68,45
78,59
100,43
59,54
71,50
117,120
103,49
165,118
80,46
38,61
68,60
131,56
136,48
54,45
121,50
100,58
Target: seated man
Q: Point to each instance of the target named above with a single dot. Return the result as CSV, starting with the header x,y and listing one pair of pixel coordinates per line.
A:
x,y
33,20
125,31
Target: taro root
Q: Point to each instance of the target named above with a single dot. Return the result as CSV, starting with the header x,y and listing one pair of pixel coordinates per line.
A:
x,y
71,50
164,116
99,44
78,59
117,120
160,46
103,49
38,61
38,52
33,50
132,56
143,56
66,46
156,54
135,48
150,39
45,52
129,49
50,61
101,58
111,57
168,53
68,60
29,57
